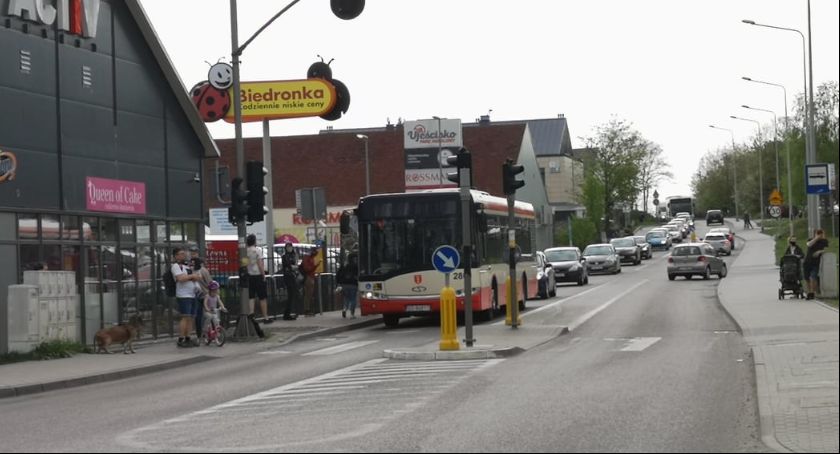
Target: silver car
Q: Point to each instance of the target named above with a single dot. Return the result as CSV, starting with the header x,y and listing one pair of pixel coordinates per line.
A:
x,y
719,242
601,258
692,259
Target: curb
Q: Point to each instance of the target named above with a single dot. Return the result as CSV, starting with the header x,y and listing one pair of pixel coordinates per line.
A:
x,y
100,378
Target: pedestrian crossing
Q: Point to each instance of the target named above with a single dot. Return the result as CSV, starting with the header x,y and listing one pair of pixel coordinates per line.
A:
x,y
340,348
311,411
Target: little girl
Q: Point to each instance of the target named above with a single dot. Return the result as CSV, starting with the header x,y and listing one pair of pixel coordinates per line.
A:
x,y
212,305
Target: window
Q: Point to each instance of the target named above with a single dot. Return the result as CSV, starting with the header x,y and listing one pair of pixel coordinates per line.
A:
x,y
70,227
144,232
50,226
28,227
127,231
109,229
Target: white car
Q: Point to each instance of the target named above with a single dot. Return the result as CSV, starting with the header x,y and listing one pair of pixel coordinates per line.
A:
x,y
719,242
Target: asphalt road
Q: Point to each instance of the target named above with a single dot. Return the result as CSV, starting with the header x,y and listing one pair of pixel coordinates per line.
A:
x,y
649,365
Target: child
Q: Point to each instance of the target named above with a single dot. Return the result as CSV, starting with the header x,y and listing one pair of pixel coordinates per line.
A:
x,y
212,305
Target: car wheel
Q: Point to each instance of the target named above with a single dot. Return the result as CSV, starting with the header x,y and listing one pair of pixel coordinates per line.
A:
x,y
671,277
707,274
723,272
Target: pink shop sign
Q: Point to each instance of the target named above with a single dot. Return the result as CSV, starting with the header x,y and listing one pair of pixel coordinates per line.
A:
x,y
116,196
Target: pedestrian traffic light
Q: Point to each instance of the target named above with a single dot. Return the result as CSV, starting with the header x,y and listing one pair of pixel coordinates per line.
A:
x,y
238,201
255,173
463,162
509,173
347,9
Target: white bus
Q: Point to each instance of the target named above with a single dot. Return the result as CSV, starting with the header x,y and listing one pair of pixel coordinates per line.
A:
x,y
399,232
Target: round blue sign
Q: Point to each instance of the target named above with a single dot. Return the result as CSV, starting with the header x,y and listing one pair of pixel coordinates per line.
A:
x,y
446,259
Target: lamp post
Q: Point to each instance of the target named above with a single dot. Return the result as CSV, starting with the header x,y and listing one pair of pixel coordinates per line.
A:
x,y
367,163
440,151
810,136
775,138
734,168
787,148
760,168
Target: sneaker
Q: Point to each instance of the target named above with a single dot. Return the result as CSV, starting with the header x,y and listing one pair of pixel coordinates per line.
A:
x,y
218,342
343,314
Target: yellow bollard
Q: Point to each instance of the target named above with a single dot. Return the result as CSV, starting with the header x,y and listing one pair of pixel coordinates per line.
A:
x,y
448,320
509,306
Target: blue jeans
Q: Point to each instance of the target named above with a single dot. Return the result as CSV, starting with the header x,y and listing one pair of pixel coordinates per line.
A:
x,y
349,292
199,315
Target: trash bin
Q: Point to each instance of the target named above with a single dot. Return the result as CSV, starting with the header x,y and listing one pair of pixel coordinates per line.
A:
x,y
325,292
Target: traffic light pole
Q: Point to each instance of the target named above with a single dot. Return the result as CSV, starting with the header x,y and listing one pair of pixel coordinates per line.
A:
x,y
514,305
466,259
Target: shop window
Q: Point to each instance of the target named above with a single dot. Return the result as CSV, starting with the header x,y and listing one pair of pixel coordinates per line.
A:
x,y
144,231
91,229
7,226
176,232
191,232
70,227
30,257
28,226
50,226
128,282
109,229
52,257
127,231
160,232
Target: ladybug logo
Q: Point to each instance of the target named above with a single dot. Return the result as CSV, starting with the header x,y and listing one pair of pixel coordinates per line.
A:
x,y
212,103
220,76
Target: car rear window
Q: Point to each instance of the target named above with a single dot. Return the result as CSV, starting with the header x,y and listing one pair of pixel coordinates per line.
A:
x,y
686,250
715,237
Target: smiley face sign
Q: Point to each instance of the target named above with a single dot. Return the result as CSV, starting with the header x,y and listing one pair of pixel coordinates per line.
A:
x,y
220,76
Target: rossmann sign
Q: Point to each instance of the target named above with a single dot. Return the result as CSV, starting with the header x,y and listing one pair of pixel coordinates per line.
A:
x,y
77,17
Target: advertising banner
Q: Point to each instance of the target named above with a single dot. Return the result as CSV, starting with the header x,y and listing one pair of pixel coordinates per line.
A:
x,y
427,145
115,196
284,99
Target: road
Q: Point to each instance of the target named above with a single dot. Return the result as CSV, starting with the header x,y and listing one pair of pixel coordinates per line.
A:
x,y
649,365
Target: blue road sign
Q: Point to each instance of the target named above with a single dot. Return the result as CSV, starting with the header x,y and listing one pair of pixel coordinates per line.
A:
x,y
446,259
816,179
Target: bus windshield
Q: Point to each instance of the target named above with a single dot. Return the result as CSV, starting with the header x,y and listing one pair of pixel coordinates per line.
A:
x,y
400,235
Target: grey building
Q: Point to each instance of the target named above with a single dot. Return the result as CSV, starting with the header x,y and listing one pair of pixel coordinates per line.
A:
x,y
101,158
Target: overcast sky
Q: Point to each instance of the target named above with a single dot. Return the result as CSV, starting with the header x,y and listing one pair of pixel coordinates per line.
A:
x,y
669,67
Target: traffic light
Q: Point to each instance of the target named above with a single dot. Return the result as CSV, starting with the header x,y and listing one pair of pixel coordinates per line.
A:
x,y
461,160
347,9
255,173
509,173
238,201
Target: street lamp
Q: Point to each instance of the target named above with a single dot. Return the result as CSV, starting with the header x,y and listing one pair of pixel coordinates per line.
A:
x,y
734,167
367,163
810,136
775,138
440,151
760,168
787,148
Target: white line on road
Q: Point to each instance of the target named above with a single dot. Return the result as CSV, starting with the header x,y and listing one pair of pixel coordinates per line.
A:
x,y
638,344
539,309
595,311
340,348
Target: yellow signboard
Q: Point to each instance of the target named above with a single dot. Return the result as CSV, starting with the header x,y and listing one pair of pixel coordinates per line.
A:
x,y
775,198
284,99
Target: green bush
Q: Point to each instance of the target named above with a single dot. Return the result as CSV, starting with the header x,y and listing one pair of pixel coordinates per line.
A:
x,y
53,349
584,233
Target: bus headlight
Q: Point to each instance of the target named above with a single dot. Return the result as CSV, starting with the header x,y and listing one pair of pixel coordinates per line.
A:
x,y
375,296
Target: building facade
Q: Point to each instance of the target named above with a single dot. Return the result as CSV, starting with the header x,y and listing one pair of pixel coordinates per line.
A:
x,y
107,154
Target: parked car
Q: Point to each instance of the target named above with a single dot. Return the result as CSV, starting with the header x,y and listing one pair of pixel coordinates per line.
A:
x,y
569,265
627,249
601,258
719,242
730,235
545,277
658,239
647,251
714,217
698,259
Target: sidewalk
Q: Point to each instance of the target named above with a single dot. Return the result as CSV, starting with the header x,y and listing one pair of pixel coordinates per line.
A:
x,y
795,350
161,354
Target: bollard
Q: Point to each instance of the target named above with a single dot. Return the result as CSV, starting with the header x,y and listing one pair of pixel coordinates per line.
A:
x,y
448,320
509,305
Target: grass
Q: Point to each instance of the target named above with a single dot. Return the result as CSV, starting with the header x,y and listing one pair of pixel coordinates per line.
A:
x,y
780,231
53,349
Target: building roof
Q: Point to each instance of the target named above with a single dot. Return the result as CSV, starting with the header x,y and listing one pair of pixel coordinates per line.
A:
x,y
175,82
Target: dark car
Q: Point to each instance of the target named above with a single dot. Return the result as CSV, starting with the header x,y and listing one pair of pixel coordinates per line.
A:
x,y
601,257
714,217
627,249
569,265
647,250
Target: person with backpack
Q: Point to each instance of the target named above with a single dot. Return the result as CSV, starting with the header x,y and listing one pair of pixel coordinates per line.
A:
x,y
291,277
348,278
186,288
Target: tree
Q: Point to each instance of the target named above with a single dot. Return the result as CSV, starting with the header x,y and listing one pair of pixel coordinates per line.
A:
x,y
612,169
653,169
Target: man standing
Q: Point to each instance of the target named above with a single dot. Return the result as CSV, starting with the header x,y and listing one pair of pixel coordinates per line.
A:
x,y
185,293
816,246
256,277
290,279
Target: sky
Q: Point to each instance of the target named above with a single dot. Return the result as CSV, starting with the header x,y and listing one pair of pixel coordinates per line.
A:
x,y
671,68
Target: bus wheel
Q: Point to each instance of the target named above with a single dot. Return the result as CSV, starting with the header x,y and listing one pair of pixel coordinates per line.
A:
x,y
391,320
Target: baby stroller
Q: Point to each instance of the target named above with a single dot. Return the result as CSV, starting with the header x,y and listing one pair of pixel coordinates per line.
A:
x,y
790,277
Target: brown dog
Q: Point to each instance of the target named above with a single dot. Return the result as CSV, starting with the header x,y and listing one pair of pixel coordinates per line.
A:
x,y
124,334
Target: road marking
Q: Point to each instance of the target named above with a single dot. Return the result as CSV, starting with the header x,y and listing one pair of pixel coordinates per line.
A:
x,y
594,312
638,344
539,309
340,348
274,352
